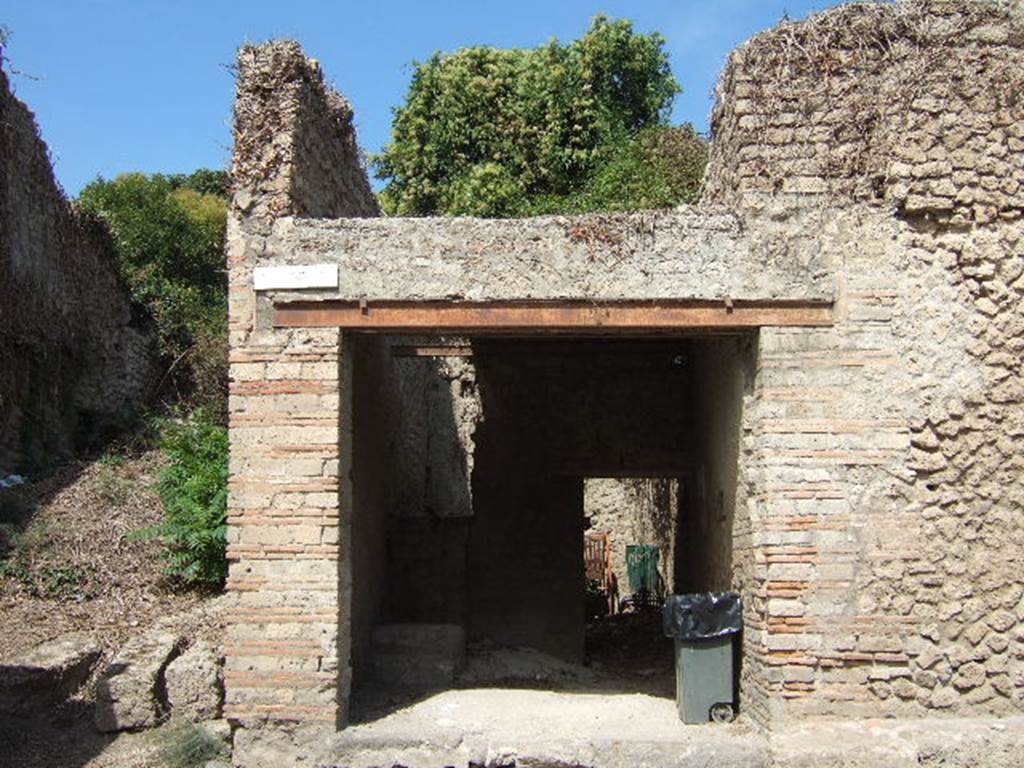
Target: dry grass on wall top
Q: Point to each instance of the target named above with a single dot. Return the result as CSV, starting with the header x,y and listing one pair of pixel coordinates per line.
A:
x,y
826,106
836,41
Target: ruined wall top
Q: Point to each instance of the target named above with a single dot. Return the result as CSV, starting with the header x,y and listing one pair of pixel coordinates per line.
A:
x,y
917,106
295,143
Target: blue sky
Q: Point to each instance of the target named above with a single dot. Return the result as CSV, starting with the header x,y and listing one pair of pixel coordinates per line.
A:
x,y
144,85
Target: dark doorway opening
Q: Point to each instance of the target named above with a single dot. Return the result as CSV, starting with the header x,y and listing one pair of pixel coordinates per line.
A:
x,y
477,522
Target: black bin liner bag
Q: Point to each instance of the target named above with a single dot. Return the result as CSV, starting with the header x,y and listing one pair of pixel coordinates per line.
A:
x,y
702,616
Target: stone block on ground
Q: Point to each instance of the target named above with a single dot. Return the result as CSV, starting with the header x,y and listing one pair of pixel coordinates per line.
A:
x,y
45,676
193,684
129,693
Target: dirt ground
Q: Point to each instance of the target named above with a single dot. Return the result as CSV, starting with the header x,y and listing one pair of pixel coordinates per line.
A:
x,y
68,564
73,566
67,739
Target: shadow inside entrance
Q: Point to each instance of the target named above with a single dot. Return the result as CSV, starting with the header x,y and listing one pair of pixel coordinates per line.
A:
x,y
625,654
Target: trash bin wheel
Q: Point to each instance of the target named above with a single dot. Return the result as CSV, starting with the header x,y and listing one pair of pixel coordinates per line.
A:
x,y
723,713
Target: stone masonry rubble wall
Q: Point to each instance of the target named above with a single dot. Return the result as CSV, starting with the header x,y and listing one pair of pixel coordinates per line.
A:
x,y
883,455
74,354
914,107
634,511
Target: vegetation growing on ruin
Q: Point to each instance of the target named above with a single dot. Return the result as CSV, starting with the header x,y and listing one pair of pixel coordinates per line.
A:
x,y
189,745
193,489
168,234
560,128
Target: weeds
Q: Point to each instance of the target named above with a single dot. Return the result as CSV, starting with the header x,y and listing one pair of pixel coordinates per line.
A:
x,y
194,492
63,582
21,554
112,486
187,745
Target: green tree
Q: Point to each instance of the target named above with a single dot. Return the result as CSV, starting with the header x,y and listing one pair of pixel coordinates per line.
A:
x,y
168,233
493,132
658,167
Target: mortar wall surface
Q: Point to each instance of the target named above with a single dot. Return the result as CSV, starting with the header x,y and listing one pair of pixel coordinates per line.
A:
x,y
74,354
657,255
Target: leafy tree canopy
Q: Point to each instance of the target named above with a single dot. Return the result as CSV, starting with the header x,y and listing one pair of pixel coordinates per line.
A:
x,y
492,132
168,233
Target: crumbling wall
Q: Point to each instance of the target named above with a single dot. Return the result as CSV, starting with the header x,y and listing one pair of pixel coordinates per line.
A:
x,y
435,412
914,107
289,636
438,406
295,145
881,456
74,354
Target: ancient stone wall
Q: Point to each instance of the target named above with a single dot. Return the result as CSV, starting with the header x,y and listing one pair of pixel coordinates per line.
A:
x,y
437,405
74,352
435,409
914,107
882,456
289,634
706,254
634,510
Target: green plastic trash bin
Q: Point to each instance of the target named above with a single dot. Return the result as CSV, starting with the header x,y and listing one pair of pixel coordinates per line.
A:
x,y
704,628
642,568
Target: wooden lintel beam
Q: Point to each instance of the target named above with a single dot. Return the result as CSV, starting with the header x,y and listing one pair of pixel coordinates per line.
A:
x,y
547,317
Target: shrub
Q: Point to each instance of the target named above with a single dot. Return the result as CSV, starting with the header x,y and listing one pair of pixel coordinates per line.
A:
x,y
186,745
209,366
194,492
659,167
168,233
485,190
